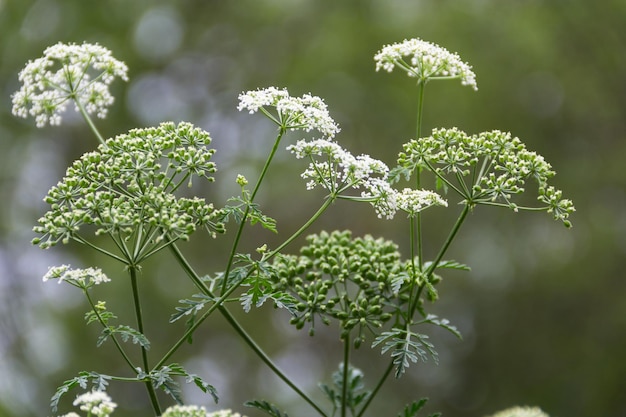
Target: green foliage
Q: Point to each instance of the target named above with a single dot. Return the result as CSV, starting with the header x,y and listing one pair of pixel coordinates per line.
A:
x,y
98,381
411,410
126,333
355,393
405,346
191,306
163,378
248,210
268,408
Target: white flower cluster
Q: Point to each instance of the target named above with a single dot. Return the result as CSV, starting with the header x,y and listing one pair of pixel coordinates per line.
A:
x,y
95,403
82,278
413,201
521,412
307,112
196,411
81,73
338,170
424,60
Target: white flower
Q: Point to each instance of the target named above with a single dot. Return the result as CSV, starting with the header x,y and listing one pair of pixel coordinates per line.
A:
x,y
185,411
95,403
307,112
521,412
196,411
338,170
82,278
424,60
414,201
67,72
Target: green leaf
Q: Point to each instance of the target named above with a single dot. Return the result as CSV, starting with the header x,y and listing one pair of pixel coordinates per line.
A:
x,y
98,381
254,214
355,393
91,317
448,264
404,349
126,333
443,323
263,405
411,410
191,306
162,378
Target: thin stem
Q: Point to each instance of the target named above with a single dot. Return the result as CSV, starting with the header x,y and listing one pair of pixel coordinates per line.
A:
x,y
105,325
451,236
431,269
418,133
420,110
329,200
144,353
92,126
236,326
233,250
346,371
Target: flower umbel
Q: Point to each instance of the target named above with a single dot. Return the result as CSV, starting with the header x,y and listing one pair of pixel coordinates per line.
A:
x,y
126,189
95,403
196,411
292,113
81,73
497,164
337,170
81,278
521,412
425,61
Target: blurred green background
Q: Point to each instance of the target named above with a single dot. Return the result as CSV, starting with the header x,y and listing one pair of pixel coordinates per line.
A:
x,y
543,310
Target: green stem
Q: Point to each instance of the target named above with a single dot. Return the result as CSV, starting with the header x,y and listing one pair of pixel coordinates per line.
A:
x,y
431,269
144,353
233,250
418,134
329,200
105,325
236,326
346,371
92,126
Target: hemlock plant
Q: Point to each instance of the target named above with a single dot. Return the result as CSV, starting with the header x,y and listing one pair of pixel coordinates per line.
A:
x,y
129,190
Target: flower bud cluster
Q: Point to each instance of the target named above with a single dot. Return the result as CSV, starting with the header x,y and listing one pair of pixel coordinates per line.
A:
x,y
292,113
424,61
66,72
498,164
354,281
128,185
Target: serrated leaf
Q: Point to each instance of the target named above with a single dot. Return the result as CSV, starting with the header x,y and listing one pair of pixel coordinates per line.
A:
x,y
404,349
443,323
99,382
126,333
263,405
91,317
162,378
448,264
411,410
191,306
